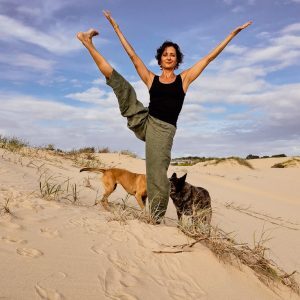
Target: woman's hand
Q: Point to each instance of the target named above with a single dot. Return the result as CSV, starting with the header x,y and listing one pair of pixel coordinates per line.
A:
x,y
110,19
240,28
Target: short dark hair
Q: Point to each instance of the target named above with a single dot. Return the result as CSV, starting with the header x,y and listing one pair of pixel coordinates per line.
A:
x,y
162,48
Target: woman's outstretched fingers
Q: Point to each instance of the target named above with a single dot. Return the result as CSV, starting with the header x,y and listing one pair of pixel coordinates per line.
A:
x,y
111,20
238,29
246,24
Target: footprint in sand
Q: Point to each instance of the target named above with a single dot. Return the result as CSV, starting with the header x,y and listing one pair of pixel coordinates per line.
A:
x,y
11,225
79,221
29,252
119,236
123,264
102,248
115,283
11,240
50,233
48,294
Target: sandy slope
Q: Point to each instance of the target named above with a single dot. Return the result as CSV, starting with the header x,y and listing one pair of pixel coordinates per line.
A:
x,y
58,250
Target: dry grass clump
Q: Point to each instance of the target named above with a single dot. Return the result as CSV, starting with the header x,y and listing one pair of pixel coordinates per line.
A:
x,y
129,153
294,162
123,213
12,144
5,209
104,150
219,242
228,250
52,189
240,161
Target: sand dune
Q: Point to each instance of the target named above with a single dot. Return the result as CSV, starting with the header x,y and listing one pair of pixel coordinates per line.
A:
x,y
53,248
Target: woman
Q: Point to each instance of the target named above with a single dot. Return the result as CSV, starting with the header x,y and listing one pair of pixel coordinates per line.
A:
x,y
155,125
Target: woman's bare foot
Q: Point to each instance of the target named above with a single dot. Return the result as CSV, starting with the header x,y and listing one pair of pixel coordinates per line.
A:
x,y
86,37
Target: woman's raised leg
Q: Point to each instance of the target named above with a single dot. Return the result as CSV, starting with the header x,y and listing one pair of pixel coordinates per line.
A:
x,y
86,39
130,107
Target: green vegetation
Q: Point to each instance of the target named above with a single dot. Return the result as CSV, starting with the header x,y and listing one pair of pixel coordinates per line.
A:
x,y
288,163
239,160
251,156
190,161
12,144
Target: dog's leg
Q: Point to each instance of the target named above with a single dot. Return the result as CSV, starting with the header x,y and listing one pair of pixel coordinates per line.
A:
x,y
179,214
108,190
109,186
104,202
140,200
144,198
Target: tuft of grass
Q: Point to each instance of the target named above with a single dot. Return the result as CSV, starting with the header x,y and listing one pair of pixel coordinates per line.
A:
x,y
190,161
228,250
123,213
104,150
129,153
50,147
288,163
240,161
220,243
12,144
5,208
50,189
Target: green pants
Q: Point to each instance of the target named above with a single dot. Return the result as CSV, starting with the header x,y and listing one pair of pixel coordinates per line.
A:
x,y
158,137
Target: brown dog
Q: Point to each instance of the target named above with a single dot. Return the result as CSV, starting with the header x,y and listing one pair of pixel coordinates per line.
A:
x,y
134,184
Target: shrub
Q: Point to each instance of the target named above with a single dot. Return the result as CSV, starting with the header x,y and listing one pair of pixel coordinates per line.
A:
x,y
279,155
250,156
104,150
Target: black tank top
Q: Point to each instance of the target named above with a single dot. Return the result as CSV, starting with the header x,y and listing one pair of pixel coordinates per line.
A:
x,y
166,100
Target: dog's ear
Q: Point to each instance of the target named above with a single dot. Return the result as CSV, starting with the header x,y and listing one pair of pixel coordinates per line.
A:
x,y
180,183
183,178
174,175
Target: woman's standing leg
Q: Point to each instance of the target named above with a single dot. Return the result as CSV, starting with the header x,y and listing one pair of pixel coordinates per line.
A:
x,y
159,141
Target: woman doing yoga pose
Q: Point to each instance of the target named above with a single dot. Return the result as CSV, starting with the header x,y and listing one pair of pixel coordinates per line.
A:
x,y
156,124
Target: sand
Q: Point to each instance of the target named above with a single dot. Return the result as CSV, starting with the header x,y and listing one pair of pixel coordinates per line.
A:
x,y
55,249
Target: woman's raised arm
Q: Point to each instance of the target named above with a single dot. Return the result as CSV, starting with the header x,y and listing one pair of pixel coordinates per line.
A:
x,y
189,75
145,74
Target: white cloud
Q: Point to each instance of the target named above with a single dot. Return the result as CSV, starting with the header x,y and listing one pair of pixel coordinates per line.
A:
x,y
234,49
26,60
152,63
59,43
92,95
238,9
99,81
291,28
47,121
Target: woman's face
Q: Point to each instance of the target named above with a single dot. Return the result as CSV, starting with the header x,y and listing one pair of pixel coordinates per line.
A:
x,y
169,58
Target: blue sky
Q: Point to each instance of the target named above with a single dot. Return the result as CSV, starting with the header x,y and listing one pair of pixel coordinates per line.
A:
x,y
246,101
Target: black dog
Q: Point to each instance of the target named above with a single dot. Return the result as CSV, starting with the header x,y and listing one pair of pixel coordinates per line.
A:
x,y
190,200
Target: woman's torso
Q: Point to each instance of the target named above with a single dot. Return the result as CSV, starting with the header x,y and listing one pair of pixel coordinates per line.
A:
x,y
166,99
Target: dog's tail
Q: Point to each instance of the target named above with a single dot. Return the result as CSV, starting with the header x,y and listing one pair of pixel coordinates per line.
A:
x,y
97,170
